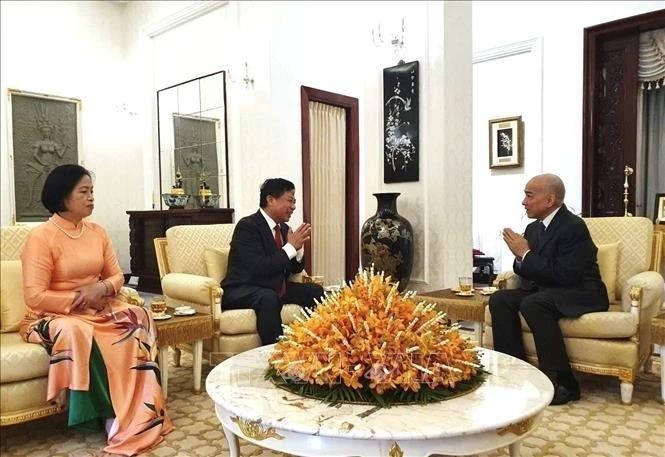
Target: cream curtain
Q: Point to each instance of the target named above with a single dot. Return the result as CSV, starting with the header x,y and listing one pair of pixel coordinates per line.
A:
x,y
650,160
651,64
327,136
650,149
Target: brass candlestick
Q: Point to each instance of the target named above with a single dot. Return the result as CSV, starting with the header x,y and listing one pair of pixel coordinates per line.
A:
x,y
627,171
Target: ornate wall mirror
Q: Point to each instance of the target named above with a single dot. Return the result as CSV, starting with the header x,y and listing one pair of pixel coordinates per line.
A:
x,y
192,139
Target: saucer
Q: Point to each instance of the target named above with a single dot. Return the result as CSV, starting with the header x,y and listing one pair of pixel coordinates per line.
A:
x,y
488,290
464,294
161,317
185,312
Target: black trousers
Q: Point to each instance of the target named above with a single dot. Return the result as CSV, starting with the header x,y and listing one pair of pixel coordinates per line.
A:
x,y
540,312
267,304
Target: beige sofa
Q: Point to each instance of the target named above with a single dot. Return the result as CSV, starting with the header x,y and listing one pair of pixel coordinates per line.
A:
x,y
192,261
616,342
23,366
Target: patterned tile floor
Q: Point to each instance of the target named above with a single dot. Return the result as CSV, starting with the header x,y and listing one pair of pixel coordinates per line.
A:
x,y
596,426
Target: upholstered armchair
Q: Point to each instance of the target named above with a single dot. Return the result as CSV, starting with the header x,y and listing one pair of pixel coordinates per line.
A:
x,y
616,342
192,261
24,366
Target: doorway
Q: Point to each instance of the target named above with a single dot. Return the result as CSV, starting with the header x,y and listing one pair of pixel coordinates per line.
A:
x,y
610,126
330,174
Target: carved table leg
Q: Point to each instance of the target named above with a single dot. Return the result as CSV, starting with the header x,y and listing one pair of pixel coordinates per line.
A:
x,y
661,351
197,352
164,368
478,332
234,446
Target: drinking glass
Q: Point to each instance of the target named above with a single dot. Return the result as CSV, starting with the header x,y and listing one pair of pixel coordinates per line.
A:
x,y
158,305
465,284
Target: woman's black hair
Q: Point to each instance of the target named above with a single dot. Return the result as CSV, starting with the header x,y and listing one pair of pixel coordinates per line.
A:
x,y
59,183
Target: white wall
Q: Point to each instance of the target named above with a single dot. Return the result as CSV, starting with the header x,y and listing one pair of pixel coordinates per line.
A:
x,y
112,60
511,86
286,45
77,49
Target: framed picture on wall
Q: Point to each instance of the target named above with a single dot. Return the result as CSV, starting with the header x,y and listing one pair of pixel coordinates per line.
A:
x,y
400,123
659,209
506,142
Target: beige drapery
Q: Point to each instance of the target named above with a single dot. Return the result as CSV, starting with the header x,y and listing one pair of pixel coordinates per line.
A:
x,y
327,136
651,61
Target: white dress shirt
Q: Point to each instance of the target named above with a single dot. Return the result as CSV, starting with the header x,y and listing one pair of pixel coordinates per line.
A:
x,y
546,222
288,247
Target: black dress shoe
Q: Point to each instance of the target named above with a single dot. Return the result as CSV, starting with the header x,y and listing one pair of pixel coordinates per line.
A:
x,y
563,394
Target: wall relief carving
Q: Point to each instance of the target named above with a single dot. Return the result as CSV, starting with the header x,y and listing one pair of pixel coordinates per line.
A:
x,y
44,131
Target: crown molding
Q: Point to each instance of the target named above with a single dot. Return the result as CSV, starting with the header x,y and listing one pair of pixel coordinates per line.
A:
x,y
511,49
184,15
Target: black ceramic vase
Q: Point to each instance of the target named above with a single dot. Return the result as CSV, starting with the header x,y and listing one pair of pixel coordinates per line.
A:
x,y
387,240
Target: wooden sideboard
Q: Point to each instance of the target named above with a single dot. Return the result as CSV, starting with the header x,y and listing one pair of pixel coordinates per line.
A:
x,y
144,226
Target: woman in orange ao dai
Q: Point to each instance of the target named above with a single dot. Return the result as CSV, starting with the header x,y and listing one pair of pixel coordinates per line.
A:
x,y
101,349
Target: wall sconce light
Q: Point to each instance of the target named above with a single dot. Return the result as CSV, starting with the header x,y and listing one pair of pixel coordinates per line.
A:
x,y
247,80
397,40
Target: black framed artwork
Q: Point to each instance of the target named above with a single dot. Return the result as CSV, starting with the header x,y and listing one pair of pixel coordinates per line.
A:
x,y
506,142
659,209
400,123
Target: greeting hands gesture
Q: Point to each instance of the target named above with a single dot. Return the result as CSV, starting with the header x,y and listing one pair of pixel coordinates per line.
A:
x,y
517,244
298,238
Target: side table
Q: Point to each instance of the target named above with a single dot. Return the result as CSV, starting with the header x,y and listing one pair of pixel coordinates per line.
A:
x,y
179,330
658,339
471,308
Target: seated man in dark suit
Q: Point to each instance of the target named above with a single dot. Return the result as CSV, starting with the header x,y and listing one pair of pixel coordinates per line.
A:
x,y
264,252
556,261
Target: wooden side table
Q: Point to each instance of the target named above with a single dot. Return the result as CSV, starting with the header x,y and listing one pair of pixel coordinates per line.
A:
x,y
658,339
470,308
179,330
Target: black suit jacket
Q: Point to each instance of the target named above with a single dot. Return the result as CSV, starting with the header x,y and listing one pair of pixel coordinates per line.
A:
x,y
254,260
564,264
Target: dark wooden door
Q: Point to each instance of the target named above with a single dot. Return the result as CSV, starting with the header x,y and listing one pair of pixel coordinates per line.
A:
x,y
610,112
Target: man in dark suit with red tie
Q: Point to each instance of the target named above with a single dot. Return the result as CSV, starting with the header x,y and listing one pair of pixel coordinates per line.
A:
x,y
264,252
559,274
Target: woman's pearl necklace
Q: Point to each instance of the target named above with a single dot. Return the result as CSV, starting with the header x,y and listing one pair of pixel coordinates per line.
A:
x,y
73,237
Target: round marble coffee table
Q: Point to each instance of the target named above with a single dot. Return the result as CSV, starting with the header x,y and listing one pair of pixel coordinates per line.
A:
x,y
502,412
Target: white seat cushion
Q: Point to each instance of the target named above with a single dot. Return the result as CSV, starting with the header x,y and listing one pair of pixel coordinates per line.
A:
x,y
604,324
239,321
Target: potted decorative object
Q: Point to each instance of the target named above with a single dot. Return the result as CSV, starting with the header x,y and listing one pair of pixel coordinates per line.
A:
x,y
205,198
387,240
177,199
368,344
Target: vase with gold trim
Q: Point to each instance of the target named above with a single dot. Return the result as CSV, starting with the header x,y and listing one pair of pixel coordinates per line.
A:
x,y
387,240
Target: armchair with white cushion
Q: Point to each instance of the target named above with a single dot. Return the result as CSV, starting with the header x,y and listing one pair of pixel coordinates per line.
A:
x,y
616,342
192,261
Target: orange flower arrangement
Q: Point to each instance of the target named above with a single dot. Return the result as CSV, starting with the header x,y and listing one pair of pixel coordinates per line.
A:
x,y
369,337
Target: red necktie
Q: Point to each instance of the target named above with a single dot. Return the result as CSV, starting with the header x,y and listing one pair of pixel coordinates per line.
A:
x,y
279,243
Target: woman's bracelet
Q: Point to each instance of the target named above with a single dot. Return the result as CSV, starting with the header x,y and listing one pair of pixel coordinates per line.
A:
x,y
107,292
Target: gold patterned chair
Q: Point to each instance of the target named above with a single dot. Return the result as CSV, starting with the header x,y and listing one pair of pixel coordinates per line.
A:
x,y
192,261
23,366
616,342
